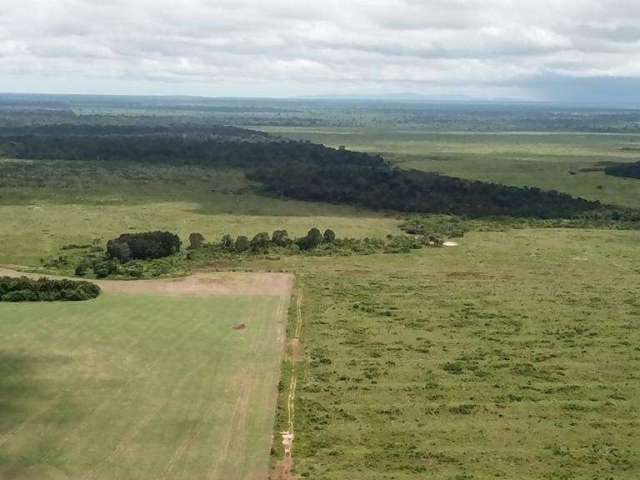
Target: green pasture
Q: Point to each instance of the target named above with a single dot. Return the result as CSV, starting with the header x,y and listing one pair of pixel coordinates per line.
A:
x,y
139,387
514,355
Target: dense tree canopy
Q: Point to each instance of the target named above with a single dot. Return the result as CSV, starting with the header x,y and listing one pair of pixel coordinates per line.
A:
x,y
294,169
24,289
143,246
630,170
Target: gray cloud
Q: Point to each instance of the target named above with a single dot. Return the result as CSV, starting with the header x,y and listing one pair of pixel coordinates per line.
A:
x,y
287,47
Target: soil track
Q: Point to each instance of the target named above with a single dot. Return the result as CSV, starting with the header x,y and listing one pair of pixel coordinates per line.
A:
x,y
200,284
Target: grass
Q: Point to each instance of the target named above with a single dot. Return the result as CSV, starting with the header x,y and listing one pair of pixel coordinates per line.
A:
x,y
138,387
46,205
515,355
548,161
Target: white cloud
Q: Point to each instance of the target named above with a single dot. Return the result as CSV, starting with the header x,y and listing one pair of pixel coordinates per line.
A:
x,y
289,47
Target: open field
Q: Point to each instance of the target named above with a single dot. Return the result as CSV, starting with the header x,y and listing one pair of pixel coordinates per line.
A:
x,y
548,161
46,205
514,355
144,385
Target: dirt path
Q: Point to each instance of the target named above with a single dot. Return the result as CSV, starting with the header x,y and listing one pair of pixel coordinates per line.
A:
x,y
282,470
199,284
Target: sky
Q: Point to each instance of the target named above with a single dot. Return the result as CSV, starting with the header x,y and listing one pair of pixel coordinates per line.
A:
x,y
572,50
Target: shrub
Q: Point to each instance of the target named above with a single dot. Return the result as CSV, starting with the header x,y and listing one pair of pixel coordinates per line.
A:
x,y
280,238
260,243
196,240
45,290
105,268
329,236
313,239
242,244
143,246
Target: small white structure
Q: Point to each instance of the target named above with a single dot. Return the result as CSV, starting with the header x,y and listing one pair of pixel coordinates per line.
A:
x,y
287,442
450,244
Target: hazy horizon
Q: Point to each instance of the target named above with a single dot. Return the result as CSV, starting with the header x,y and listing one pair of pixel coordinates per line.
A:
x,y
554,51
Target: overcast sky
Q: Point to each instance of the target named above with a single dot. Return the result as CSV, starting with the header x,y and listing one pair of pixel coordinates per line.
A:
x,y
536,49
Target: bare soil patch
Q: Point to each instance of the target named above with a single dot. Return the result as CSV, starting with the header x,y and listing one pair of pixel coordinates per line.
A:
x,y
200,284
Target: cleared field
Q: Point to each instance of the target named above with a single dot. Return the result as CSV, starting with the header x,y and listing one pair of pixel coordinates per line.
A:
x,y
144,385
514,355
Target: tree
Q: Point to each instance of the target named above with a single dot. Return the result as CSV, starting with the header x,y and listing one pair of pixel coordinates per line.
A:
x,y
227,242
242,244
329,236
143,246
313,239
280,238
196,240
118,249
260,243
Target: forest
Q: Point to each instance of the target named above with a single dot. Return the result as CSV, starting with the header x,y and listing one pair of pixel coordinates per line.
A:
x,y
629,170
295,169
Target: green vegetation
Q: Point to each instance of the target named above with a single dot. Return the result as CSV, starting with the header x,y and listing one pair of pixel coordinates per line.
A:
x,y
143,246
568,163
630,170
514,355
139,386
300,170
44,290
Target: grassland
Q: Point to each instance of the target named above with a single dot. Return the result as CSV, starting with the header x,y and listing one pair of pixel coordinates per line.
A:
x,y
548,161
514,355
46,205
139,387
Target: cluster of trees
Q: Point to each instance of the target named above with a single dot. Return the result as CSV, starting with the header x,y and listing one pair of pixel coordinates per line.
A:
x,y
629,170
143,246
314,242
381,186
300,170
24,289
264,243
224,146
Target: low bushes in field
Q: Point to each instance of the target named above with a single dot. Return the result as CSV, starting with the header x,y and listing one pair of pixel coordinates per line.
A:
x,y
24,289
315,242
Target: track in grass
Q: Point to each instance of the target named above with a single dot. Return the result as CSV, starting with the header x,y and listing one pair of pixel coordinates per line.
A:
x,y
142,386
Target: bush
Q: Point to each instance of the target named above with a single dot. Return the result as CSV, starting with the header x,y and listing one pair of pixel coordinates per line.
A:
x,y
45,290
196,240
280,238
329,236
260,243
312,240
143,246
106,268
242,244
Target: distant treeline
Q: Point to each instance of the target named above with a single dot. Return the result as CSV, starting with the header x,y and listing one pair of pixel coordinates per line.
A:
x,y
303,170
630,170
24,289
381,186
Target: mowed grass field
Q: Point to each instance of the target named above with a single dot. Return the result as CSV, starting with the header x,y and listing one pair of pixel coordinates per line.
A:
x,y
139,387
515,355
544,160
